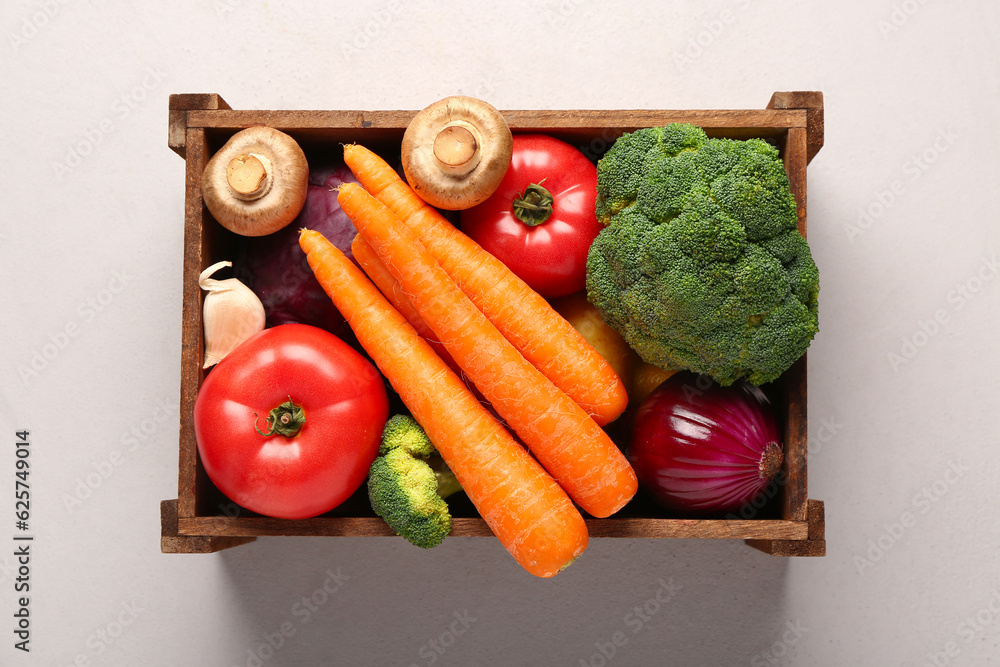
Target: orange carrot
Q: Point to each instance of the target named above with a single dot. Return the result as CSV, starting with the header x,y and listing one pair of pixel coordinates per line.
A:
x,y
545,338
386,284
567,442
533,518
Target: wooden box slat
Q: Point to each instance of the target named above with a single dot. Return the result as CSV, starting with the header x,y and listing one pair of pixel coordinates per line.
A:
x,y
203,520
197,255
763,119
221,526
795,436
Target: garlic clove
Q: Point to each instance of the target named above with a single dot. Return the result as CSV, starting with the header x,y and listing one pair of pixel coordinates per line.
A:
x,y
231,314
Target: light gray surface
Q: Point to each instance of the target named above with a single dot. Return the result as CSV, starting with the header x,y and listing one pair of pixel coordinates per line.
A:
x,y
91,247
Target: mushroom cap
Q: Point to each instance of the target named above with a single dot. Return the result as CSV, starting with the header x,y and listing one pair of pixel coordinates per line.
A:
x,y
456,186
283,196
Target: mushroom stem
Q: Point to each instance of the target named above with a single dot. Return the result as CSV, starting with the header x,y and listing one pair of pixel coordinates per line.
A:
x,y
456,150
249,176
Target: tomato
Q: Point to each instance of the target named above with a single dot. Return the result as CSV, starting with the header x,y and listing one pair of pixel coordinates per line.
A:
x,y
319,385
540,222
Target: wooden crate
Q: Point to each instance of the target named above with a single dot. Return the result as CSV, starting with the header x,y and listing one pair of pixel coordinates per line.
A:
x,y
202,520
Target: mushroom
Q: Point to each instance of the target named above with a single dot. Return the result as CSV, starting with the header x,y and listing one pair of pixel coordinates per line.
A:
x,y
456,151
257,183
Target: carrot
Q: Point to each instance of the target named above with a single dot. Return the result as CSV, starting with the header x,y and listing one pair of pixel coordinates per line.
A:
x,y
545,338
533,518
567,442
386,284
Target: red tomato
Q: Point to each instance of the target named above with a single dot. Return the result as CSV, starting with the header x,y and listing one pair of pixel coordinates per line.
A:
x,y
300,474
550,256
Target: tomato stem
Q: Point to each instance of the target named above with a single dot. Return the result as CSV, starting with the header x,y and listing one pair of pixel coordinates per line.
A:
x,y
286,419
534,205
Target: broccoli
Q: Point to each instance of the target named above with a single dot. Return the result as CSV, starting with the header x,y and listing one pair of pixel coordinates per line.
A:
x,y
700,265
404,488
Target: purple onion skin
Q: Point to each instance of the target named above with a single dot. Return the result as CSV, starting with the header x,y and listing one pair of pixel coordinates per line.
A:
x,y
275,267
701,448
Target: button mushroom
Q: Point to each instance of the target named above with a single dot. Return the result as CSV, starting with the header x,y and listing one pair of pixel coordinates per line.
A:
x,y
456,151
257,183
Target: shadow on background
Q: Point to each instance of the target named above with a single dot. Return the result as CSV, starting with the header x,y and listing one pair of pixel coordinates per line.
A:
x,y
382,601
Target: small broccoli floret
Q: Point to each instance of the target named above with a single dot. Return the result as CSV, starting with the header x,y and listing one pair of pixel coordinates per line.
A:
x,y
403,432
404,488
701,265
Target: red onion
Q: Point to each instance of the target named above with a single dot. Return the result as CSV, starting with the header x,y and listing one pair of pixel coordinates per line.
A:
x,y
702,448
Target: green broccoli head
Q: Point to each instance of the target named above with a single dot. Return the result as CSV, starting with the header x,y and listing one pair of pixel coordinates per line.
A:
x,y
701,265
405,490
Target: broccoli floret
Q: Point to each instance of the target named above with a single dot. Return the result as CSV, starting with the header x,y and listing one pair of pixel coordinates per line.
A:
x,y
404,488
701,265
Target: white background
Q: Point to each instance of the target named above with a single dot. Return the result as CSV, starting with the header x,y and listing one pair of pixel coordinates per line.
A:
x,y
91,252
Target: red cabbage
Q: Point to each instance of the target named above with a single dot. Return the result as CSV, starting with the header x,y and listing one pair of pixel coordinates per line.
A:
x,y
275,267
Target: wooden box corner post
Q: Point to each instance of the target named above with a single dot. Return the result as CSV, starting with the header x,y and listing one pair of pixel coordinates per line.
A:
x,y
171,542
813,545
